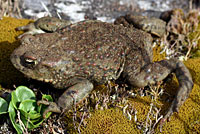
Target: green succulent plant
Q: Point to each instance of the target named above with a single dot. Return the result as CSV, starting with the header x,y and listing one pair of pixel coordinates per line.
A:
x,y
23,110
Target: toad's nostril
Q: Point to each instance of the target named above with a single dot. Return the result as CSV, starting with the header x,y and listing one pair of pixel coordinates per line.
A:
x,y
29,40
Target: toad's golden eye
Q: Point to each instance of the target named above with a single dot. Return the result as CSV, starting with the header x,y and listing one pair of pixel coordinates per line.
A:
x,y
28,61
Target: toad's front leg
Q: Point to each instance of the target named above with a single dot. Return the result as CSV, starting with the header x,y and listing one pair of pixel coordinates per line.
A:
x,y
157,71
43,25
75,93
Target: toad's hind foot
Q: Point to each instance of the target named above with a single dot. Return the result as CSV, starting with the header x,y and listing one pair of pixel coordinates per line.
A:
x,y
185,87
157,71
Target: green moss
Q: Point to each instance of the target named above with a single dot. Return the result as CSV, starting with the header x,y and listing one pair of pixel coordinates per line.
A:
x,y
194,66
8,74
110,121
141,105
157,55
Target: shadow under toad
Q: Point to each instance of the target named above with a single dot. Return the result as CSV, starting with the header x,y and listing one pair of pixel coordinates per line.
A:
x,y
9,76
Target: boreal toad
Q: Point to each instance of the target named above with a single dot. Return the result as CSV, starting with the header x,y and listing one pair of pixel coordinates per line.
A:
x,y
91,52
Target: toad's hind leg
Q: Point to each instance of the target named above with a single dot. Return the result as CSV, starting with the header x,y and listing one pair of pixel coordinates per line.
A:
x,y
157,71
73,94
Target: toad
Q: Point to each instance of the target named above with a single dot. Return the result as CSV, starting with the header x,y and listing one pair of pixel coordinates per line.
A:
x,y
91,52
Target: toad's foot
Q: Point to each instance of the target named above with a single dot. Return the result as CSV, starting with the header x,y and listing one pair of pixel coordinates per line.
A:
x,y
185,87
30,29
43,25
52,107
72,95
157,71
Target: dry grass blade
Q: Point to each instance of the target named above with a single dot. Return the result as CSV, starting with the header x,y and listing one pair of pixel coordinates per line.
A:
x,y
10,8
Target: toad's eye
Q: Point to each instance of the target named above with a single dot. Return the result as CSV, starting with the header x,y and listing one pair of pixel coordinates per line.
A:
x,y
29,61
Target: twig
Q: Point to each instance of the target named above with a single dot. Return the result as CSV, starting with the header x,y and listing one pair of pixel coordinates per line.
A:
x,y
190,4
45,7
16,8
82,118
58,15
74,113
148,118
23,128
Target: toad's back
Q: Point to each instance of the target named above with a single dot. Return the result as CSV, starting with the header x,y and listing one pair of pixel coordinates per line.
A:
x,y
98,50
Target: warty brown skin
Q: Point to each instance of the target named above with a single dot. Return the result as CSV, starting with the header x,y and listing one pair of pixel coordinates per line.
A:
x,y
154,26
93,52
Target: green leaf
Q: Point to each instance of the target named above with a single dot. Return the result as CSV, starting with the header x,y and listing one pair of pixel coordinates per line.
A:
x,y
28,109
3,106
12,115
31,124
31,116
20,94
28,105
47,97
33,112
